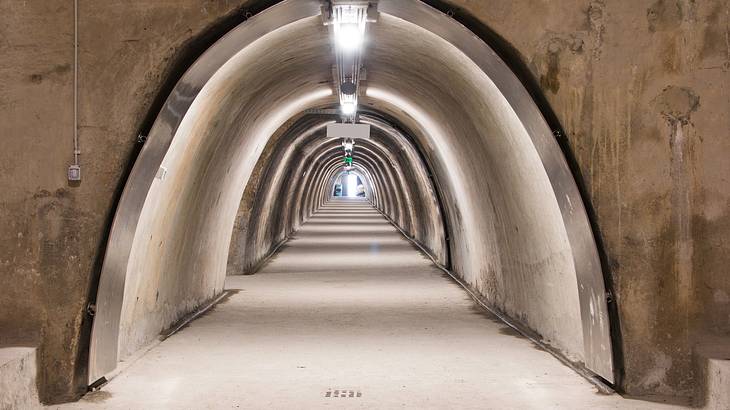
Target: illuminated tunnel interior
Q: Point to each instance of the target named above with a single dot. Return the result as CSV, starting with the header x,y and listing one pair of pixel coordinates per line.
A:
x,y
510,204
458,157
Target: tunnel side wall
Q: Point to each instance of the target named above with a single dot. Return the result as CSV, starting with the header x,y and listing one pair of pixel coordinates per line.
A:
x,y
640,88
508,235
294,177
269,218
180,249
56,231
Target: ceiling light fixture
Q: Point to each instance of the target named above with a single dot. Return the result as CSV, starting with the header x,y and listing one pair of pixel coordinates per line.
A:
x,y
348,19
348,108
349,35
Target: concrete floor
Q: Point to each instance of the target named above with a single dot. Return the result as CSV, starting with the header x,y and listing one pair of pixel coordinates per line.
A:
x,y
348,308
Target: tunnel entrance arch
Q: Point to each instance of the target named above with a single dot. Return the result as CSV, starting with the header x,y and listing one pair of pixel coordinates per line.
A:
x,y
524,241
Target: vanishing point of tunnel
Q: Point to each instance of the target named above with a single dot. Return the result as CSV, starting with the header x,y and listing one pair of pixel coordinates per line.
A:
x,y
427,204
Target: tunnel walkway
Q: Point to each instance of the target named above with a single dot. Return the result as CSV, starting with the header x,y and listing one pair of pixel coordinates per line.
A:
x,y
348,314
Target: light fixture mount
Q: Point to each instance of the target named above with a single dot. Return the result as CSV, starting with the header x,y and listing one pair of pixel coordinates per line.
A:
x,y
348,87
348,21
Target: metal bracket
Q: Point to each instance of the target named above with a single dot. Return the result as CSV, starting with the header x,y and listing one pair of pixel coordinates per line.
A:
x,y
327,5
98,383
609,297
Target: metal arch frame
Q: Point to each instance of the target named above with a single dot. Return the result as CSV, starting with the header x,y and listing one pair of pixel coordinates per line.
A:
x,y
103,354
103,348
597,343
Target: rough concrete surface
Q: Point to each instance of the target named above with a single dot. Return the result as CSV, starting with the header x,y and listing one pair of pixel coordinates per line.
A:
x,y
718,383
712,360
18,370
51,232
351,309
640,88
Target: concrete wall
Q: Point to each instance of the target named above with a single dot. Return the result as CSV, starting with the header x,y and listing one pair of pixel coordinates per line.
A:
x,y
640,88
18,367
51,233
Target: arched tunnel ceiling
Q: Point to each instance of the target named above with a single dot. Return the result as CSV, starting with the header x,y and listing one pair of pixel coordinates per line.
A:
x,y
517,229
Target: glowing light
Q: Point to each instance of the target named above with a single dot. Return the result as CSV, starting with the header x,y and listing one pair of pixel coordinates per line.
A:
x,y
348,108
349,36
351,185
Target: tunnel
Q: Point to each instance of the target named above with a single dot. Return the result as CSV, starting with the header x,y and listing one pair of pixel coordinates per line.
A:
x,y
469,170
311,195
